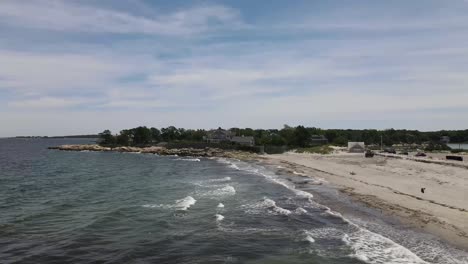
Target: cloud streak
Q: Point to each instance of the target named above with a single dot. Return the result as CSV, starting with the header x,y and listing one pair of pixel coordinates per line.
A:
x,y
67,16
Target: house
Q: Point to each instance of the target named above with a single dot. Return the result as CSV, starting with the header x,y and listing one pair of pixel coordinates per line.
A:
x,y
246,141
318,140
356,147
218,135
444,139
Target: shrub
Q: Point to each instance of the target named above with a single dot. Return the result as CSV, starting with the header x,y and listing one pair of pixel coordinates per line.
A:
x,y
317,150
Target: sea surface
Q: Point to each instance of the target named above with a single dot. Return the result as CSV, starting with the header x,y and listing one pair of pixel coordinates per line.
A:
x,y
103,207
458,146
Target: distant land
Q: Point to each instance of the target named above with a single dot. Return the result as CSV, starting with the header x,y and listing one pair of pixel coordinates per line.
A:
x,y
72,136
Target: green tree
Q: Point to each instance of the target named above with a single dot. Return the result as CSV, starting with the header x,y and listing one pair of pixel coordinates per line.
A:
x,y
301,136
170,133
125,137
155,134
107,138
141,135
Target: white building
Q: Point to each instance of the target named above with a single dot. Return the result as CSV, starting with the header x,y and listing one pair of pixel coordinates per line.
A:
x,y
356,147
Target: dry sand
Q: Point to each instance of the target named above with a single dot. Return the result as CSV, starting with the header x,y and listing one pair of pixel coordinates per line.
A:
x,y
394,186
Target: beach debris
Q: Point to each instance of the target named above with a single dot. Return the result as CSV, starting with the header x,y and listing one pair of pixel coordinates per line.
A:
x,y
369,154
423,189
389,150
452,157
352,173
302,182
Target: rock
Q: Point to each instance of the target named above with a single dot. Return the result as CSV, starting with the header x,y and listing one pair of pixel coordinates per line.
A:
x,y
206,152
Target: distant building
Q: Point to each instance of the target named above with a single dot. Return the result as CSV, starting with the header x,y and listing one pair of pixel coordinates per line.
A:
x,y
246,141
318,140
218,135
356,147
444,139
221,135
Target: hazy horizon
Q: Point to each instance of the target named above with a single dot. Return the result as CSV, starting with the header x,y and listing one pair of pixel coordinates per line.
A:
x,y
81,67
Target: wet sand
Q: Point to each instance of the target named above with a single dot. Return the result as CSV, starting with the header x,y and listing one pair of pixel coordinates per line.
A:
x,y
394,186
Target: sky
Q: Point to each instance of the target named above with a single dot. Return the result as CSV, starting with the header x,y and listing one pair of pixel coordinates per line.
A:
x,y
79,67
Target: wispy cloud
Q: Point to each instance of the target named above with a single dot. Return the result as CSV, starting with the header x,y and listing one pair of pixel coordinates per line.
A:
x,y
47,103
68,16
38,71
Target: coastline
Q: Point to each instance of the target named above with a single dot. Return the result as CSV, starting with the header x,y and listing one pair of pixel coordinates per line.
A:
x,y
393,186
162,151
389,185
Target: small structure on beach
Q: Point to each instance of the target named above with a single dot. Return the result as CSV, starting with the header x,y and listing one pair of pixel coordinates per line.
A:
x,y
317,140
356,147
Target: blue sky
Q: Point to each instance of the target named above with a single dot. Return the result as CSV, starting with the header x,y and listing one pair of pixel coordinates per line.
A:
x,y
72,67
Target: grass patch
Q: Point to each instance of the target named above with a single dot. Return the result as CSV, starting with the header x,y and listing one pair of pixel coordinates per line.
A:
x,y
326,149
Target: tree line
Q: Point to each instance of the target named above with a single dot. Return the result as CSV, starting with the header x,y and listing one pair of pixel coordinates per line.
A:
x,y
298,136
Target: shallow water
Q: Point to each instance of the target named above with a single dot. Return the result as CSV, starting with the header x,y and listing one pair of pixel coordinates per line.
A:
x,y
84,207
458,146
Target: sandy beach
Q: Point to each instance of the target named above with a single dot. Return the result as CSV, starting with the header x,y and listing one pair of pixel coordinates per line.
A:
x,y
394,186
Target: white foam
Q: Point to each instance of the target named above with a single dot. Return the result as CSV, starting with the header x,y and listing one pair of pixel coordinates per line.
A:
x,y
181,204
220,180
257,170
197,160
335,214
212,183
300,211
326,233
185,203
374,248
368,246
226,190
151,205
219,217
220,205
266,205
308,237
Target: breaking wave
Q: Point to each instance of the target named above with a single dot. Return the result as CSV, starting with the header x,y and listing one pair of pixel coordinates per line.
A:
x,y
181,204
189,159
266,205
226,190
262,172
219,217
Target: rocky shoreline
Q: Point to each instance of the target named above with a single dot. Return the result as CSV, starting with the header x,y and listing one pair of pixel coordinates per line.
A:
x,y
205,152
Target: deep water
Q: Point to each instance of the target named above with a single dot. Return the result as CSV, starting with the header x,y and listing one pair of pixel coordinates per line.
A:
x,y
103,207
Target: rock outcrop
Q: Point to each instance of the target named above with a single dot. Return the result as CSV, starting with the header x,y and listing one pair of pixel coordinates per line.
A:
x,y
206,152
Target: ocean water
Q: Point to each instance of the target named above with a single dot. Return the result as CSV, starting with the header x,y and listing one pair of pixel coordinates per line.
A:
x,y
96,207
458,146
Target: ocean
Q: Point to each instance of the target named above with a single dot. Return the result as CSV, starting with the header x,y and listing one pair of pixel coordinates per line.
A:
x,y
458,146
104,207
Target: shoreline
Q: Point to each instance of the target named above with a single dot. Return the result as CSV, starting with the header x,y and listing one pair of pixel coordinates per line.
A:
x,y
369,182
392,186
162,151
